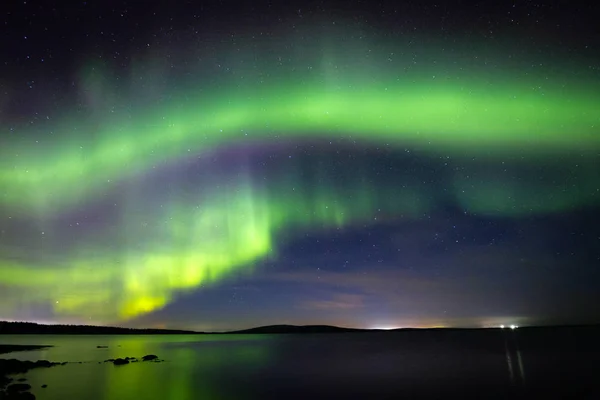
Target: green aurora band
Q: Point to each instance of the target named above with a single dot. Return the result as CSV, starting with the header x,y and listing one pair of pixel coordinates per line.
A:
x,y
195,242
465,119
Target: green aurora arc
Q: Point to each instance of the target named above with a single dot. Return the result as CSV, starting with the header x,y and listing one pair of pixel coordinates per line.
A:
x,y
198,241
436,117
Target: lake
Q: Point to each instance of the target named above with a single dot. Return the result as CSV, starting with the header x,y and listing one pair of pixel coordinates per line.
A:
x,y
350,365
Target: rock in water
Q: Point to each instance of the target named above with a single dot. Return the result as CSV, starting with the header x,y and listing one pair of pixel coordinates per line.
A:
x,y
149,357
120,361
4,380
44,386
18,387
46,364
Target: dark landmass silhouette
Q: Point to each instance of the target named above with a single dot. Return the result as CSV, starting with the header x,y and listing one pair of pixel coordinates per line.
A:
x,y
30,328
9,348
23,328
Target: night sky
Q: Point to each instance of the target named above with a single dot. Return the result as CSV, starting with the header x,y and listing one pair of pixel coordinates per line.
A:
x,y
214,165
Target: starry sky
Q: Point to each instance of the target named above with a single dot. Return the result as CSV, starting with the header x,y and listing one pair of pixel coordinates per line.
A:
x,y
217,165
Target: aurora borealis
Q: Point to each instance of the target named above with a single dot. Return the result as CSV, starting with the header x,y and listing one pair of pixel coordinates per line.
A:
x,y
141,179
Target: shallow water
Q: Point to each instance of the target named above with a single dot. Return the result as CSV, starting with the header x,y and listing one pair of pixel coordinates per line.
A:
x,y
375,365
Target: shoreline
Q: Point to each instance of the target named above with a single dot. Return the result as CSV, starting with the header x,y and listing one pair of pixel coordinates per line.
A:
x,y
11,348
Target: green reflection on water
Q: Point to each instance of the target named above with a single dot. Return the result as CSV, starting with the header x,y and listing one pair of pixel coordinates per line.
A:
x,y
195,367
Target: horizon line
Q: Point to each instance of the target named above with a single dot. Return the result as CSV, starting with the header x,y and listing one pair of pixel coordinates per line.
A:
x,y
174,330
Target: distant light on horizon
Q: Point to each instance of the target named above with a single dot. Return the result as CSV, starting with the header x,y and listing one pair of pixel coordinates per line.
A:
x,y
387,327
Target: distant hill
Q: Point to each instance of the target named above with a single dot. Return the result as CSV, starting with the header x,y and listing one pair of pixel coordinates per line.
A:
x,y
30,328
300,329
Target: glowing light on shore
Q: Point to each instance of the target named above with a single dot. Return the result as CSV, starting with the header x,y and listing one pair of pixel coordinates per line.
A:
x,y
386,328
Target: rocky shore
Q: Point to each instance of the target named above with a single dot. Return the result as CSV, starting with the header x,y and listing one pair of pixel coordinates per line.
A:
x,y
9,390
18,389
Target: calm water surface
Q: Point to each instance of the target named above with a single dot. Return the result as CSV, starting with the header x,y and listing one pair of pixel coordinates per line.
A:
x,y
272,366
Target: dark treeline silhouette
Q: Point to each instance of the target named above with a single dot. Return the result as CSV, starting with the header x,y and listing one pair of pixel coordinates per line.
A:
x,y
24,328
9,348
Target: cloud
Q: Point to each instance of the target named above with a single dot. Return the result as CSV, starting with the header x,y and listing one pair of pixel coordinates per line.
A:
x,y
337,302
399,290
